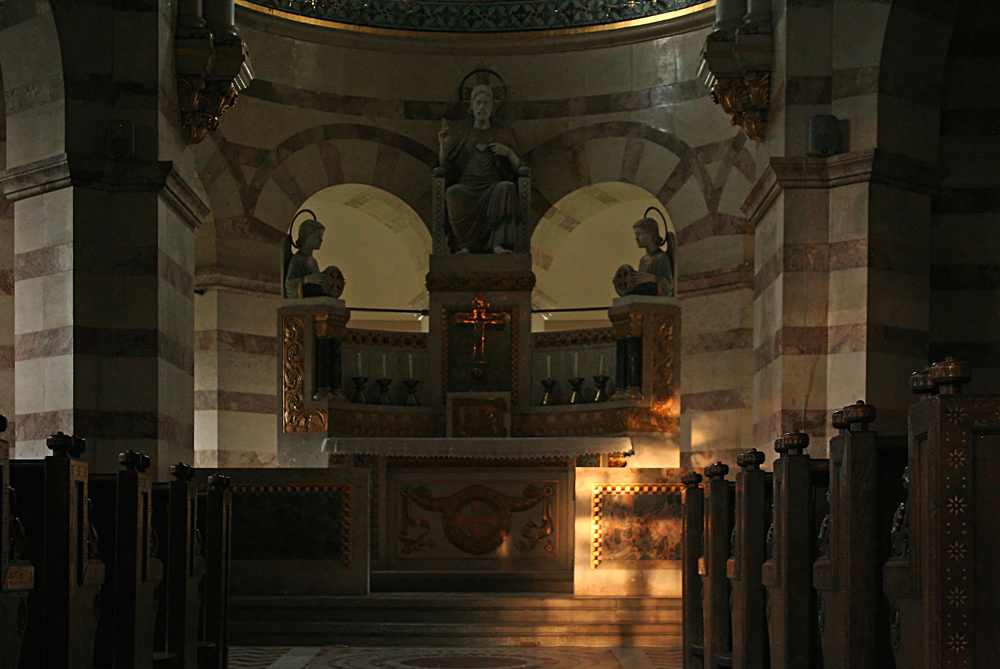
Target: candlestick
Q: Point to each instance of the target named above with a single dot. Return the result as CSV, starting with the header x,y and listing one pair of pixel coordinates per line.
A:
x,y
359,389
600,371
576,396
410,360
359,364
548,366
602,388
383,390
411,390
383,366
548,399
576,364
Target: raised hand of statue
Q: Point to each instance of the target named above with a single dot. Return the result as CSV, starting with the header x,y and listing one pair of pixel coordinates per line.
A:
x,y
320,278
443,133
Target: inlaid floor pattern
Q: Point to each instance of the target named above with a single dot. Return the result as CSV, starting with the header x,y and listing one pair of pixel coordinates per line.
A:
x,y
340,657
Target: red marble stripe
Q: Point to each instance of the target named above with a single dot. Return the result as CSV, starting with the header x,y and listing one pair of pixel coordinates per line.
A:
x,y
236,342
176,276
712,342
851,338
715,281
43,262
231,400
6,282
712,225
100,424
6,358
107,342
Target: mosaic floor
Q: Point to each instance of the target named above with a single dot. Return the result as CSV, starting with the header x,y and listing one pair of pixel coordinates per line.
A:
x,y
337,657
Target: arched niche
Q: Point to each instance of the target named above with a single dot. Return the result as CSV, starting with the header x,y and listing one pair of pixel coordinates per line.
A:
x,y
381,245
577,246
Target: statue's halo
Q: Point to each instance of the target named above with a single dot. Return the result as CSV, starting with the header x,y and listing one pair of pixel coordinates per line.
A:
x,y
291,226
489,78
666,229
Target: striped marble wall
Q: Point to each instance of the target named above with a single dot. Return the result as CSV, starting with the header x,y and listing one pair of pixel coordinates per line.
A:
x,y
965,270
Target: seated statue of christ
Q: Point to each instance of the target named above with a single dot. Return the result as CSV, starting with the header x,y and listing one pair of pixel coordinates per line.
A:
x,y
481,162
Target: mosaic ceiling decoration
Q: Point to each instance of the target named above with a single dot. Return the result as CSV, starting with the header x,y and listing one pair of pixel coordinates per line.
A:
x,y
489,16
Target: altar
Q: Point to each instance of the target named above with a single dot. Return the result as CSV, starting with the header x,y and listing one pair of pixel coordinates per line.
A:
x,y
476,433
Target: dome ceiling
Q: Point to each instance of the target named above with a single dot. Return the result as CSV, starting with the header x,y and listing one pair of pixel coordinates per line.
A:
x,y
488,16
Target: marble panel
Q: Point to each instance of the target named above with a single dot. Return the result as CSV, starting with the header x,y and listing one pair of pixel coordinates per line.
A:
x,y
803,383
700,121
604,157
206,437
723,370
253,432
248,313
849,212
805,299
686,203
850,82
113,383
768,310
734,192
962,316
44,220
135,306
723,429
720,312
807,209
247,373
654,63
848,296
650,516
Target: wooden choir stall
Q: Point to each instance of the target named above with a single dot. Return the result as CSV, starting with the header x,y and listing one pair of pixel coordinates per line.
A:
x,y
880,556
111,570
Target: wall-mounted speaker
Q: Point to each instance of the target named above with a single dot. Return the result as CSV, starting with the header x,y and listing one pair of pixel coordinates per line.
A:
x,y
121,140
824,135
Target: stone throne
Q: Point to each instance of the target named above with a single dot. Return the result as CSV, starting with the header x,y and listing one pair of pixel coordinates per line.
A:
x,y
441,232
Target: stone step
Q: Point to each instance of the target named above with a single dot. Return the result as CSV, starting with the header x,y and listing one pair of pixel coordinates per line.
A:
x,y
425,634
456,620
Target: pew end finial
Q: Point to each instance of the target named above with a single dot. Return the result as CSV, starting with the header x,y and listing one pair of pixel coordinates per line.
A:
x,y
779,446
219,482
182,472
750,461
794,443
859,416
950,375
3,423
922,385
838,422
130,460
691,479
60,444
717,471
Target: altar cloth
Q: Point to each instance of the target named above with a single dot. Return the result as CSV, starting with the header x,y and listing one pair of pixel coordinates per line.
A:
x,y
496,448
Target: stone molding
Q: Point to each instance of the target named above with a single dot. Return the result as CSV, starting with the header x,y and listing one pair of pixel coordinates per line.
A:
x,y
525,42
57,172
871,165
218,278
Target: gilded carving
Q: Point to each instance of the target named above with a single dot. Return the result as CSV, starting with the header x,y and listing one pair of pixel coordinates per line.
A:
x,y
330,326
476,519
627,525
627,324
746,100
378,338
295,416
474,282
663,365
572,338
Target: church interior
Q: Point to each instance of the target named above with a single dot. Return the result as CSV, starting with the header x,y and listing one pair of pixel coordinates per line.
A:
x,y
472,334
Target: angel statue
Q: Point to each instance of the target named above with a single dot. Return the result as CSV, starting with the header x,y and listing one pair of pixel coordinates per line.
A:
x,y
656,273
302,275
481,162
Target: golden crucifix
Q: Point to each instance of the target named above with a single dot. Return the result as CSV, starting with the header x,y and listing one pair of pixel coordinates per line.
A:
x,y
480,316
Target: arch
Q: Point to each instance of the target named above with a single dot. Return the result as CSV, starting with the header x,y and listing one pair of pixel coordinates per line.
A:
x,y
380,244
656,160
32,61
580,242
328,155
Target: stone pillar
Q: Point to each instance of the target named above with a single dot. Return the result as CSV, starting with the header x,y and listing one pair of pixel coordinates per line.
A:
x,y
104,315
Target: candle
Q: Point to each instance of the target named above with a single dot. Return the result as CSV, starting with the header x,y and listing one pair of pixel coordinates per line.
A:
x,y
359,363
600,372
410,359
384,375
576,365
548,366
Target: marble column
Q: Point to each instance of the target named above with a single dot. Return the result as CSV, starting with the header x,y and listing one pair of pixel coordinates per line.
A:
x,y
103,242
